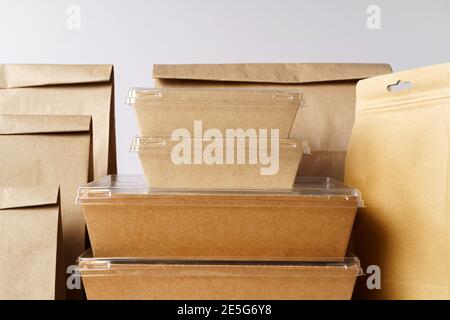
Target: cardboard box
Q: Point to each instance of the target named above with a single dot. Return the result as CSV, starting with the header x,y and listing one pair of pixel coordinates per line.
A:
x,y
31,260
328,89
47,89
125,218
162,111
204,163
50,150
399,157
113,279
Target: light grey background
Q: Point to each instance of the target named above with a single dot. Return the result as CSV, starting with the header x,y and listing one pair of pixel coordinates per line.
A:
x,y
135,34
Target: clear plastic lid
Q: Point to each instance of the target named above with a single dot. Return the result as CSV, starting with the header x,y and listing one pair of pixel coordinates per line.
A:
x,y
215,266
217,95
135,185
148,143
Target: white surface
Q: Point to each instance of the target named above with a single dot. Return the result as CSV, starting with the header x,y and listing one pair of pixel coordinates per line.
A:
x,y
135,34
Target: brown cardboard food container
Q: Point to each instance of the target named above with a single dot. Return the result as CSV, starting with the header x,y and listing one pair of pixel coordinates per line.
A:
x,y
201,163
399,158
31,260
49,150
125,218
162,111
66,90
328,90
113,279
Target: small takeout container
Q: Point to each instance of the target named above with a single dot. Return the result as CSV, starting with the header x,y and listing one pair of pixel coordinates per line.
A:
x,y
162,111
199,163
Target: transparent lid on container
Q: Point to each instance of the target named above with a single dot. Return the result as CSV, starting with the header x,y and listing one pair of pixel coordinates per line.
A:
x,y
136,185
211,266
218,95
142,143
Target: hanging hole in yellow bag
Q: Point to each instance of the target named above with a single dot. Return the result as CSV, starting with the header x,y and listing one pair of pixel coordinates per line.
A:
x,y
399,86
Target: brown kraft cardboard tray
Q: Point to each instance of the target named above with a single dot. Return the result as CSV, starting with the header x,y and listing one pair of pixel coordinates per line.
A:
x,y
114,279
125,218
161,111
273,168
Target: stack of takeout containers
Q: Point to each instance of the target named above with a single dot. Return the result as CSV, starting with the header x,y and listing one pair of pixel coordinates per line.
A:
x,y
219,213
221,131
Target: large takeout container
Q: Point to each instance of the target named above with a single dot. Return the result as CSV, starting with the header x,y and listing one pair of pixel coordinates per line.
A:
x,y
187,279
125,218
162,111
201,163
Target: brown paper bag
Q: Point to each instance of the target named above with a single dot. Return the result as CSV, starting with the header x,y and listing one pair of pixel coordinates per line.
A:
x,y
329,93
399,158
31,261
42,149
66,90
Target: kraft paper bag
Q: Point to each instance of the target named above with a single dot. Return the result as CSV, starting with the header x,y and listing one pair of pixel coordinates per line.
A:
x,y
43,149
66,90
31,261
399,158
328,90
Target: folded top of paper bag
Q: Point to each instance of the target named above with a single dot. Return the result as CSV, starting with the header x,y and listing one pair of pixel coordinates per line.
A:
x,y
32,75
29,124
270,72
20,197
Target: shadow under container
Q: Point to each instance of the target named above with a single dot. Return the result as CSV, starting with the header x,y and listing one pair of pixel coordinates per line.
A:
x,y
126,218
187,279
